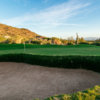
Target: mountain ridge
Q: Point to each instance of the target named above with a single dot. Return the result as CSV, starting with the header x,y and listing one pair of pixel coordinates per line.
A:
x,y
13,31
16,35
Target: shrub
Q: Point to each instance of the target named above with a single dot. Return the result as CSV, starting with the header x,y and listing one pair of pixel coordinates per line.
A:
x,y
85,95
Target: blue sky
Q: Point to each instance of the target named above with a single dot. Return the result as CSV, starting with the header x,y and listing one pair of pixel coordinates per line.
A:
x,y
53,18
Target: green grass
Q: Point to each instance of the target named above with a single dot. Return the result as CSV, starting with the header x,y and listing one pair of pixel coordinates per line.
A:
x,y
52,50
89,94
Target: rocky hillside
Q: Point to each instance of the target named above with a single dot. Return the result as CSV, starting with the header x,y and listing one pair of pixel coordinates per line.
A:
x,y
14,33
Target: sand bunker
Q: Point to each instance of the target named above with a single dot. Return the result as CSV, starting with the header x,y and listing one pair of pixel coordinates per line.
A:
x,y
19,81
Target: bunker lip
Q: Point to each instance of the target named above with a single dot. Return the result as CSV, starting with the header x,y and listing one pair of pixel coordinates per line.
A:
x,y
19,81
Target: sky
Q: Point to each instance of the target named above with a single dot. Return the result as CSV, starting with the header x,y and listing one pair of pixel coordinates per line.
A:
x,y
53,18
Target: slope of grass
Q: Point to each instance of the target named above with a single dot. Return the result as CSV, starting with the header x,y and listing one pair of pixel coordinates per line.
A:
x,y
89,94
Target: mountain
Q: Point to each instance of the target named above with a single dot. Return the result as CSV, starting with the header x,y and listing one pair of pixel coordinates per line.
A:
x,y
91,38
12,31
16,33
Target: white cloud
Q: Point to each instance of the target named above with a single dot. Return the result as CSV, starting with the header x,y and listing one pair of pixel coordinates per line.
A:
x,y
54,16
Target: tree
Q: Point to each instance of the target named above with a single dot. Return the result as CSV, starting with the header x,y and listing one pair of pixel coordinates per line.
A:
x,y
82,40
77,39
71,41
64,42
56,41
9,41
36,42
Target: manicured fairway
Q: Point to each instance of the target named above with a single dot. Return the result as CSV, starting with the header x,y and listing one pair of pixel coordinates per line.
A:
x,y
85,50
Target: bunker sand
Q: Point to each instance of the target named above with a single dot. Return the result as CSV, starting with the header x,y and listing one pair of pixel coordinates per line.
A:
x,y
19,81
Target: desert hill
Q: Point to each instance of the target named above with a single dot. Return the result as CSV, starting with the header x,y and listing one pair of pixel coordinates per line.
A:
x,y
15,33
9,34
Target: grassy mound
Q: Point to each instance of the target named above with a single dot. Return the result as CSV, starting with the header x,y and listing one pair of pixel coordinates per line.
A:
x,y
90,94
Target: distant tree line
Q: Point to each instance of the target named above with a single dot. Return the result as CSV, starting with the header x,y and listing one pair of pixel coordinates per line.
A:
x,y
44,40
